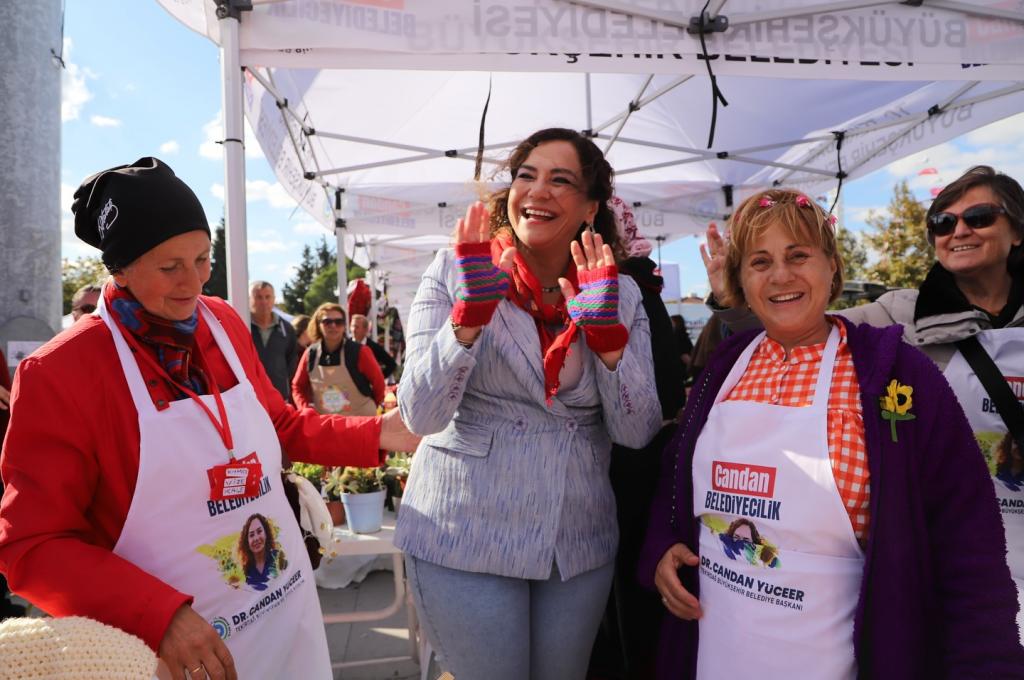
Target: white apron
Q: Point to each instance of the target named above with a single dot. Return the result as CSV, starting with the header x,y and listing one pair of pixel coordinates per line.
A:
x,y
780,567
270,619
1006,347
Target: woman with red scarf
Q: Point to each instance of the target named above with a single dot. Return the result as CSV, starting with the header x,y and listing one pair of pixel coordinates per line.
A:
x,y
144,436
527,357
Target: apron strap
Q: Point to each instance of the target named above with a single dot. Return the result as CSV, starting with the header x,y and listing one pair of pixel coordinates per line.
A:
x,y
823,387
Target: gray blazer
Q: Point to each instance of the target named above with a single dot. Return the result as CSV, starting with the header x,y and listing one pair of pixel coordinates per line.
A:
x,y
504,484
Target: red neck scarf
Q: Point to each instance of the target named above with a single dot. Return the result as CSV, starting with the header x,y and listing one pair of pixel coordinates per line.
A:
x,y
526,293
171,341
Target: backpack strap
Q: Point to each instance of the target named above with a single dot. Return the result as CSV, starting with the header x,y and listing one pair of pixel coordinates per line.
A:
x,y
314,353
998,389
352,350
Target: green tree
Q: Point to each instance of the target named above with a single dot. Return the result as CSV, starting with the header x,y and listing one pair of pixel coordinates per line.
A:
x,y
77,273
904,255
294,291
218,283
324,287
855,255
325,255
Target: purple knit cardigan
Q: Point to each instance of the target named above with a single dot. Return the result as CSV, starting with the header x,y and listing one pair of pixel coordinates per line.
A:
x,y
936,600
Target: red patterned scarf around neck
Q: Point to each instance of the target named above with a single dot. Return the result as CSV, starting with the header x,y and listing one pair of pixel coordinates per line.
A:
x,y
526,293
172,341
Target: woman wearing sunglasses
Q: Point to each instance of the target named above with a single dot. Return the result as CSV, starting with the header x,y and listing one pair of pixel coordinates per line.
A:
x,y
974,291
335,374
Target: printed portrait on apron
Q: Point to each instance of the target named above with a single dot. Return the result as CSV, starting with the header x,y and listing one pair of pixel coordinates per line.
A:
x,y
741,540
251,559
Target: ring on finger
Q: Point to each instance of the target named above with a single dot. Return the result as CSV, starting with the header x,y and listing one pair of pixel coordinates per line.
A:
x,y
664,601
194,673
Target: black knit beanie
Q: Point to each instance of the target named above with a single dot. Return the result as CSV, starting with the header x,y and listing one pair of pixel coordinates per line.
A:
x,y
129,210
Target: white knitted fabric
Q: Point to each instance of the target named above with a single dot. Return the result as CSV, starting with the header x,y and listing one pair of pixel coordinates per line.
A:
x,y
73,647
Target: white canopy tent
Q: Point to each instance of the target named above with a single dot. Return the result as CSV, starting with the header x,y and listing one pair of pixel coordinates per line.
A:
x,y
816,92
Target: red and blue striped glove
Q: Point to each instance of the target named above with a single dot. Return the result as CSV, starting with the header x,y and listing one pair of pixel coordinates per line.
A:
x,y
595,309
481,285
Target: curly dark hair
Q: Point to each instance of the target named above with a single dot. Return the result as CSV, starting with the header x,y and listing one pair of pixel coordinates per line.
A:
x,y
597,175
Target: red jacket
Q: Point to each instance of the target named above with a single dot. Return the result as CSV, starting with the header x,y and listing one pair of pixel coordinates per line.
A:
x,y
71,459
302,392
5,382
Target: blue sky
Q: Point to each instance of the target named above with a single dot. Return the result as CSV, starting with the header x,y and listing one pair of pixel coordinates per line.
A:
x,y
138,84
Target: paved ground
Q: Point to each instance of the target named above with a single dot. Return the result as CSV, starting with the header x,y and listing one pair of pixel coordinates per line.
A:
x,y
360,641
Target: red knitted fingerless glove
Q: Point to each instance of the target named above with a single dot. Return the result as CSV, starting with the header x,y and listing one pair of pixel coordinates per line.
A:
x,y
595,309
481,285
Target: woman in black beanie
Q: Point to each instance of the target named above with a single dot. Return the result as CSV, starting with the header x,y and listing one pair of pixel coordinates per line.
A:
x,y
145,435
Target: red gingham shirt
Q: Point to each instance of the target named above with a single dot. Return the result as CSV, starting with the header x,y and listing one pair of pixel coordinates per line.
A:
x,y
771,378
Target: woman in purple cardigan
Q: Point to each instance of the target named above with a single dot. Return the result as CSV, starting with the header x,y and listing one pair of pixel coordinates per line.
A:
x,y
819,514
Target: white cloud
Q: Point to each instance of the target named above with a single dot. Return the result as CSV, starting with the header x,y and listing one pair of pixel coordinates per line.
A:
x,y
170,147
855,214
309,229
74,92
213,132
105,121
260,190
261,246
1000,133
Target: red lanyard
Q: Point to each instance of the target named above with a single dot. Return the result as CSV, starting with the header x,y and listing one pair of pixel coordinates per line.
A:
x,y
223,427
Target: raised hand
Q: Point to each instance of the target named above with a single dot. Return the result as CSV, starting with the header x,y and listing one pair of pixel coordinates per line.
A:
x,y
713,254
595,309
481,285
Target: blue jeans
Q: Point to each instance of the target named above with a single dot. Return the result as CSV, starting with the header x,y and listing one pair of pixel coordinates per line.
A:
x,y
487,627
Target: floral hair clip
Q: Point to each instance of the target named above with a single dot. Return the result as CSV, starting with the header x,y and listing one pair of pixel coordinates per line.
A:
x,y
832,220
766,202
802,201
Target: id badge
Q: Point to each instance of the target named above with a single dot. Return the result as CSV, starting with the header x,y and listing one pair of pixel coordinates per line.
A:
x,y
238,479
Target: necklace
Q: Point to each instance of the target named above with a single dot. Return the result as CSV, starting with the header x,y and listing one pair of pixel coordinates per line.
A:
x,y
550,289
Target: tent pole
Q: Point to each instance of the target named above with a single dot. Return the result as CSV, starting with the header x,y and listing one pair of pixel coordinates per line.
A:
x,y
339,235
234,163
372,252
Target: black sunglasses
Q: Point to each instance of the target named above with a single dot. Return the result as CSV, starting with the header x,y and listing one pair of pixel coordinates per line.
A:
x,y
86,309
976,217
332,322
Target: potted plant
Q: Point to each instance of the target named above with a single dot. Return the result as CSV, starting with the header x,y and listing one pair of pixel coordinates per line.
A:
x,y
395,477
363,497
332,490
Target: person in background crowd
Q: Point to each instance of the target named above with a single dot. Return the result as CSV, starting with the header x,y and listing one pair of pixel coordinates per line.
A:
x,y
360,329
84,301
878,550
528,356
8,610
274,338
336,374
683,341
968,309
121,478
627,641
711,335
301,323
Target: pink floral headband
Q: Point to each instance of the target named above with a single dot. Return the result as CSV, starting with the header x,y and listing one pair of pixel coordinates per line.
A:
x,y
633,243
801,201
